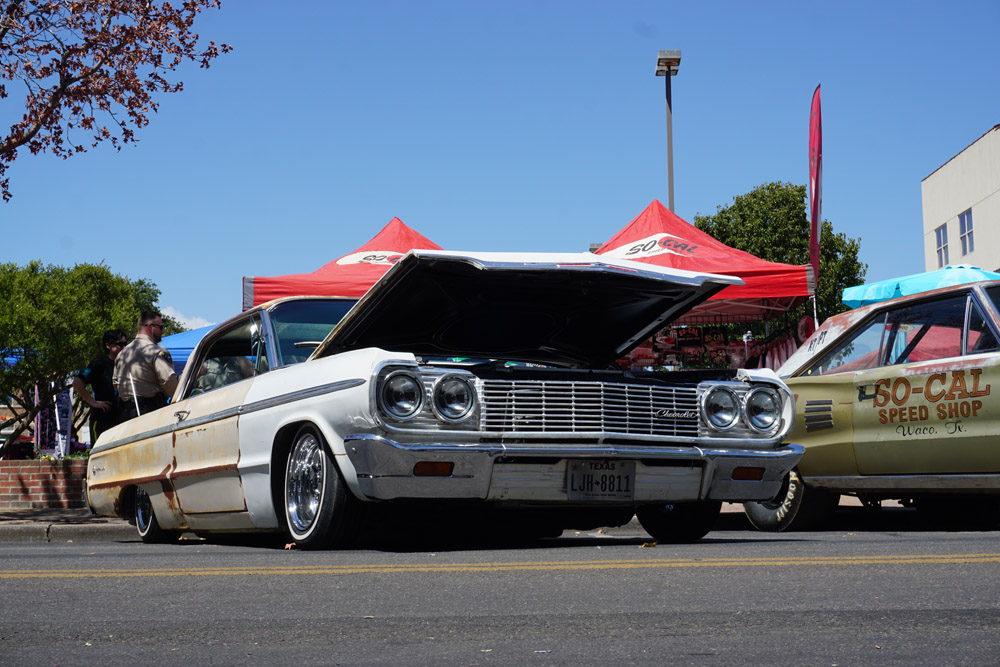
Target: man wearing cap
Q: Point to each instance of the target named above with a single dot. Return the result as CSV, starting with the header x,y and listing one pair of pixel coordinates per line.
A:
x,y
144,372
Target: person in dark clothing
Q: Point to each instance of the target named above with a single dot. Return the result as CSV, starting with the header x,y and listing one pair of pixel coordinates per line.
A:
x,y
104,401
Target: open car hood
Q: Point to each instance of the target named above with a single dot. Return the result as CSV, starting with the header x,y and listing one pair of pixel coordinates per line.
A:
x,y
566,309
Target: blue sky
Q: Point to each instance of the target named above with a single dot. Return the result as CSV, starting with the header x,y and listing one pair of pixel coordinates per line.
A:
x,y
535,126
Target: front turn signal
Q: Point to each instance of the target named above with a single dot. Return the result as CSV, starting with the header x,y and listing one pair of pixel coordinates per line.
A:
x,y
433,469
748,474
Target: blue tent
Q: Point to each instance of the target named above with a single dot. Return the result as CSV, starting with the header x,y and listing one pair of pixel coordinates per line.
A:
x,y
959,274
181,345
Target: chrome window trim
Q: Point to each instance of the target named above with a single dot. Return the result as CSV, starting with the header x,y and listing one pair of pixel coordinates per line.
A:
x,y
270,339
981,300
248,408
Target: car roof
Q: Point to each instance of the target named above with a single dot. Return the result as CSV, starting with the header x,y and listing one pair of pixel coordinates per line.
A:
x,y
836,326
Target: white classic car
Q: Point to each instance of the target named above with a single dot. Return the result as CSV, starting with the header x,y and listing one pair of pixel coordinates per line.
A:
x,y
459,377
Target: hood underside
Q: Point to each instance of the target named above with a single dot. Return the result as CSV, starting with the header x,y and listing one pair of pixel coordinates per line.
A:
x,y
577,310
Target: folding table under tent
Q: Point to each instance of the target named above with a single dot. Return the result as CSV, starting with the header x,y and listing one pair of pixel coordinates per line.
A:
x,y
350,275
658,236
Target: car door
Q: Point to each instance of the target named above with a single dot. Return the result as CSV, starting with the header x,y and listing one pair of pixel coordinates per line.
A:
x,y
925,408
206,476
824,401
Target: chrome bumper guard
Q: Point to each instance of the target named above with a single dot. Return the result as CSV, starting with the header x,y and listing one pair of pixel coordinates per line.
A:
x,y
535,473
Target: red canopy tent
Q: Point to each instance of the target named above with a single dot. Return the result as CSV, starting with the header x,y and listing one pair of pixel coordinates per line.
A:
x,y
350,275
657,236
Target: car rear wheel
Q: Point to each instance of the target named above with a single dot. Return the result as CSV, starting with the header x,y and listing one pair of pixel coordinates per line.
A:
x,y
320,511
146,523
678,523
800,507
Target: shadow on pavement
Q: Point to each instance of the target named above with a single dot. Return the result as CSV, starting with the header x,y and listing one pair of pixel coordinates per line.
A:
x,y
444,531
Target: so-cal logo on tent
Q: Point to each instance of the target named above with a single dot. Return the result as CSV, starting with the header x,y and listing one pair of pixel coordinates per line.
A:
x,y
651,246
382,257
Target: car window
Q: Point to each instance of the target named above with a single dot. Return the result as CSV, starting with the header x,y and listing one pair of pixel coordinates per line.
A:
x,y
924,331
981,338
994,294
300,326
858,352
914,332
231,356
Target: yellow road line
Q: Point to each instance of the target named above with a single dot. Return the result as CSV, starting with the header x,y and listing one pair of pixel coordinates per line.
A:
x,y
402,568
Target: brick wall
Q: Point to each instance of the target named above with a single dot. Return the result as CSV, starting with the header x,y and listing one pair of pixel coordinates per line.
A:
x,y
39,484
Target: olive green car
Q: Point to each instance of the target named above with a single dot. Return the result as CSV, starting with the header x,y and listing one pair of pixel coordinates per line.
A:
x,y
894,401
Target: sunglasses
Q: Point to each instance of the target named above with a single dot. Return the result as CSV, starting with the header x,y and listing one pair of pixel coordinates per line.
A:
x,y
153,324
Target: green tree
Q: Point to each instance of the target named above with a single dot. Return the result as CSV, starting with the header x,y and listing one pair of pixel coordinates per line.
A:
x,y
51,322
146,296
771,222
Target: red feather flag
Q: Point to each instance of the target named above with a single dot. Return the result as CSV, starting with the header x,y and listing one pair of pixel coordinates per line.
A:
x,y
815,181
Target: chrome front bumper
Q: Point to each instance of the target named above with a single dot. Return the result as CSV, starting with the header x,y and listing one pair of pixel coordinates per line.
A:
x,y
536,473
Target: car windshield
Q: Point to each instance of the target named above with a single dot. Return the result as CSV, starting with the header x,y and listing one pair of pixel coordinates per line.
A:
x,y
301,325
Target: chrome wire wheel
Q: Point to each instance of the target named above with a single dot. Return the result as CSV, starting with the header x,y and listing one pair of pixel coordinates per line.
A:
x,y
304,483
320,511
143,511
145,521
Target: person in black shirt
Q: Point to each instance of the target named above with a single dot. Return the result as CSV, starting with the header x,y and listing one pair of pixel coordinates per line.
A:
x,y
104,401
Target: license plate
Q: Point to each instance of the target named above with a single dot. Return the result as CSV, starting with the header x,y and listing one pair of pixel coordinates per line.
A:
x,y
600,480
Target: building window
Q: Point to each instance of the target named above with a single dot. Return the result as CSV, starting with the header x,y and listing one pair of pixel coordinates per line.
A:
x,y
965,232
941,233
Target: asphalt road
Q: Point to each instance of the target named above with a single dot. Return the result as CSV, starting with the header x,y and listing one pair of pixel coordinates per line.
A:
x,y
861,594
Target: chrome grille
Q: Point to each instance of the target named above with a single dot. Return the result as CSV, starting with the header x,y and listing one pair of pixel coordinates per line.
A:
x,y
576,407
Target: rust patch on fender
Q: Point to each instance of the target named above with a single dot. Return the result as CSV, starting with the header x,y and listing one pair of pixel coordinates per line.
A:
x,y
158,477
204,470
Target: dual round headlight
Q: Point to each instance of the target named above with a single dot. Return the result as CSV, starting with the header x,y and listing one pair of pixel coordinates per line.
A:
x,y
759,408
762,409
454,398
401,396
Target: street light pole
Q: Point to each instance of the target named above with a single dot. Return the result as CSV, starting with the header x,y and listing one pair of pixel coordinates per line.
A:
x,y
667,64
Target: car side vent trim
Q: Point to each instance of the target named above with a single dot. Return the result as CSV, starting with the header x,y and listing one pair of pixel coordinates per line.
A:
x,y
819,415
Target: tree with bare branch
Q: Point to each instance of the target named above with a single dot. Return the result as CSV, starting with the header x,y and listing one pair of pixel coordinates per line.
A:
x,y
90,70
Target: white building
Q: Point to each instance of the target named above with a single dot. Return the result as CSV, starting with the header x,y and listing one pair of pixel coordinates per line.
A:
x,y
961,202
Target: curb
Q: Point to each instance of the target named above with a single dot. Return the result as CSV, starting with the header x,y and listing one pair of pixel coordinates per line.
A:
x,y
68,532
